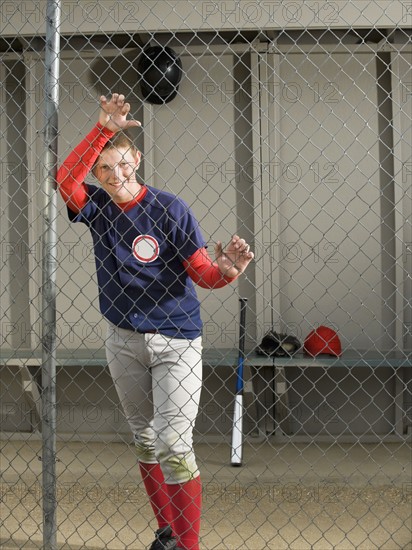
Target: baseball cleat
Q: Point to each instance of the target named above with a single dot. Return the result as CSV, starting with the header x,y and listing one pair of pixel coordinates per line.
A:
x,y
164,540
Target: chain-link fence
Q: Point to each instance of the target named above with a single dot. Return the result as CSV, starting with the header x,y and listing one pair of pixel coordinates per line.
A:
x,y
285,122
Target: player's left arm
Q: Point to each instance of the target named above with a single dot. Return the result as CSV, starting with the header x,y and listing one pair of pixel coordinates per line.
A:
x,y
227,267
204,272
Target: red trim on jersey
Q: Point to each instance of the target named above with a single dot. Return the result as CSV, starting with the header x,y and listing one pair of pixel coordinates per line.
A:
x,y
125,206
204,272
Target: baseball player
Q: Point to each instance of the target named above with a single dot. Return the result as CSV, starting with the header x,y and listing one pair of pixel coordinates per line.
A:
x,y
149,252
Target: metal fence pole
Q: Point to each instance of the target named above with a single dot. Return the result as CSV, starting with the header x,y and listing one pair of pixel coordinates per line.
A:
x,y
51,90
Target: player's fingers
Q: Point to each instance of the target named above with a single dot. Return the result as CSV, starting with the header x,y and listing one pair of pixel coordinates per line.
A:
x,y
103,102
240,244
120,100
218,249
125,108
113,101
133,123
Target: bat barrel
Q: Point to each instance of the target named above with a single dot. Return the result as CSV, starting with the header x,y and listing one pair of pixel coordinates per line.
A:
x,y
237,430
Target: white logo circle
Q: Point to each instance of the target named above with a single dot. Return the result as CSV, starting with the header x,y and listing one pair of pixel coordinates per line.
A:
x,y
145,248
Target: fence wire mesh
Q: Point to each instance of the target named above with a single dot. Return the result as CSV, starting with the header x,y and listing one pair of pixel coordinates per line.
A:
x,y
288,124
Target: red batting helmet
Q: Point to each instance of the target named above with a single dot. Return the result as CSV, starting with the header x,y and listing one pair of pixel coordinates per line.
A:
x,y
323,340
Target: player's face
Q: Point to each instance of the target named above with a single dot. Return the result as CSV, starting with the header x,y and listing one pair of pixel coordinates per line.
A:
x,y
116,172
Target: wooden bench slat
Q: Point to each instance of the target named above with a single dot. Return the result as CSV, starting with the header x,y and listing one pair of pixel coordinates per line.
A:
x,y
222,357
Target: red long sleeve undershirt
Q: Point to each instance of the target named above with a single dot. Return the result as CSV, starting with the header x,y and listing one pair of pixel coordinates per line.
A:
x,y
204,272
73,172
71,183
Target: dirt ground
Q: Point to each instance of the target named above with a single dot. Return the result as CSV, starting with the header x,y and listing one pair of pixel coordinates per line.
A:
x,y
284,497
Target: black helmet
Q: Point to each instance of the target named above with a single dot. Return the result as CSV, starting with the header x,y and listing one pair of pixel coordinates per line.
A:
x,y
161,71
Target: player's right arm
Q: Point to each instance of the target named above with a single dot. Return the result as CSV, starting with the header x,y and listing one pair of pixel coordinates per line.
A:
x,y
73,172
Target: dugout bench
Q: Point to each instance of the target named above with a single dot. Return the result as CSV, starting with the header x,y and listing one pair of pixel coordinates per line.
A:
x,y
271,385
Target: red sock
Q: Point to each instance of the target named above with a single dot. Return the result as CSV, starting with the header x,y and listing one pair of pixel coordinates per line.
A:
x,y
186,505
154,483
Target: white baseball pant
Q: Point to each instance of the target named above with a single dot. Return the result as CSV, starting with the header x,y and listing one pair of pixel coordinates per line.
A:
x,y
158,380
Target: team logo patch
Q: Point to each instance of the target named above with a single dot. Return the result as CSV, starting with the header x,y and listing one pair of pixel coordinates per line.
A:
x,y
145,248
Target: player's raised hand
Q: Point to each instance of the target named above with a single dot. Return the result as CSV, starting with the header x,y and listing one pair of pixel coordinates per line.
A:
x,y
235,258
113,113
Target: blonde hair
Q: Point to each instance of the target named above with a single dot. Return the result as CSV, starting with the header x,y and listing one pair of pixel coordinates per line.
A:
x,y
121,140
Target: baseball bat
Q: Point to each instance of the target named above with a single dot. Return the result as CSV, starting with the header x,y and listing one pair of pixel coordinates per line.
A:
x,y
237,428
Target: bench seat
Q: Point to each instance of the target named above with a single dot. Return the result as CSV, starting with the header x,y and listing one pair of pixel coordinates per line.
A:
x,y
213,357
221,357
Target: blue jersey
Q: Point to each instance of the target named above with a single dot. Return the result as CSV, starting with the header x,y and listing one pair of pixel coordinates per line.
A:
x,y
139,252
